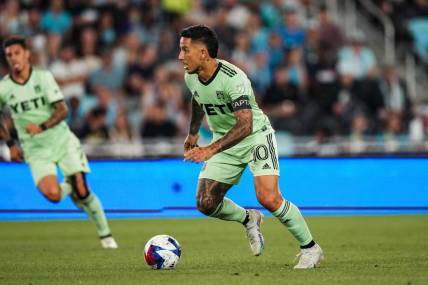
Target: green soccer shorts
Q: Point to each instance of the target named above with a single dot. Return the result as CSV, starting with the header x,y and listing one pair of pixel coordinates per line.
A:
x,y
68,156
260,153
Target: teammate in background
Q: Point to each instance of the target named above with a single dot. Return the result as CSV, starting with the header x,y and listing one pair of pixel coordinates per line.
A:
x,y
242,135
38,112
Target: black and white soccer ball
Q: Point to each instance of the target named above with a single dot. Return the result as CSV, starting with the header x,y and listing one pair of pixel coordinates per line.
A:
x,y
162,252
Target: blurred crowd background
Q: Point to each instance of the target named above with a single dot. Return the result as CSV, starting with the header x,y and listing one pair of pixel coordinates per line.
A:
x,y
327,88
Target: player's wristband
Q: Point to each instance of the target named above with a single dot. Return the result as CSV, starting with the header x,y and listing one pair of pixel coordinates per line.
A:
x,y
10,143
43,126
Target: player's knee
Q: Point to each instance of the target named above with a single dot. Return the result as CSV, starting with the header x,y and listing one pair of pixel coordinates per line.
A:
x,y
269,201
52,194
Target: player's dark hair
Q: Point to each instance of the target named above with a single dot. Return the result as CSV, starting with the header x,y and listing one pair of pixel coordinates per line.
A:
x,y
15,40
203,34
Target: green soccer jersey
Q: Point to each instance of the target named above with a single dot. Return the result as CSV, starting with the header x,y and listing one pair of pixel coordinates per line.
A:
x,y
31,102
222,94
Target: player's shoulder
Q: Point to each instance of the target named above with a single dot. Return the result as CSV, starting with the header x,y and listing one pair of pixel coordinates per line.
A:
x,y
190,78
230,70
40,71
5,78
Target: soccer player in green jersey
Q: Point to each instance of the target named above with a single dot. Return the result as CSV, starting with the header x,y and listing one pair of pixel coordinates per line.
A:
x,y
38,111
242,135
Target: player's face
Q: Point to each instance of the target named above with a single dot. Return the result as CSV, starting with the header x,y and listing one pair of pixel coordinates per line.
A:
x,y
17,57
191,55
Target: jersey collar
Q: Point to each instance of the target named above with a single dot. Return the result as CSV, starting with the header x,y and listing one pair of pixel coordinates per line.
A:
x,y
26,80
212,77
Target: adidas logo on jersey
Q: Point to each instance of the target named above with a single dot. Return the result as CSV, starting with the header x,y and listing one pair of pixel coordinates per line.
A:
x,y
266,166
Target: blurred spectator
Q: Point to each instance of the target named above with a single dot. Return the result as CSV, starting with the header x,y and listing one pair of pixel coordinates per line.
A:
x,y
106,29
238,14
88,49
108,75
54,43
241,54
296,71
393,133
270,13
258,35
104,98
121,131
260,75
419,125
330,34
225,32
291,29
282,103
11,19
70,73
394,94
56,20
357,58
198,14
95,130
359,130
275,50
127,52
347,101
156,123
167,48
33,23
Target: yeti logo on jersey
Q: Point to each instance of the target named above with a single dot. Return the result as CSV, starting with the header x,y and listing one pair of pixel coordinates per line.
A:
x,y
12,96
220,95
195,94
28,105
37,89
241,103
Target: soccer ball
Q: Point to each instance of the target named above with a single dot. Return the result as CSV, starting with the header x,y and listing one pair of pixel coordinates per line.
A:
x,y
162,252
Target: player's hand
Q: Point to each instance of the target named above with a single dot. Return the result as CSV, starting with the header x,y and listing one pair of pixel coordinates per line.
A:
x,y
33,129
199,154
190,142
16,153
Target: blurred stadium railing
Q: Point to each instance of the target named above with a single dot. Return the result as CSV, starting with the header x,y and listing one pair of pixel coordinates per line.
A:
x,y
288,146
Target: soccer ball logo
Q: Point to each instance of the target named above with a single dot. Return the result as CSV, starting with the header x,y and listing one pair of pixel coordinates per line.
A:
x,y
162,252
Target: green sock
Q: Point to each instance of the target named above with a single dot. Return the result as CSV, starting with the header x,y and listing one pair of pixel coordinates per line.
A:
x,y
289,215
229,211
92,206
65,189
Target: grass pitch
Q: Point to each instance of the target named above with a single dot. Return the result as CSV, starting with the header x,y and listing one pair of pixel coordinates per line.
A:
x,y
359,250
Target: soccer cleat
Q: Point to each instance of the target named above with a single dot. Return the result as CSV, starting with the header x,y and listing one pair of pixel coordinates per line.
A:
x,y
254,234
109,243
309,257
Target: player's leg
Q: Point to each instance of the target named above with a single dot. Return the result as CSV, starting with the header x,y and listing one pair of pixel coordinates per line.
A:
x,y
266,176
212,202
289,215
217,176
74,166
90,203
45,178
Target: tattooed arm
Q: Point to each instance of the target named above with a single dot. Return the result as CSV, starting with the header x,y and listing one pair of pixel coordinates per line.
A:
x,y
59,114
242,128
195,123
15,151
196,119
